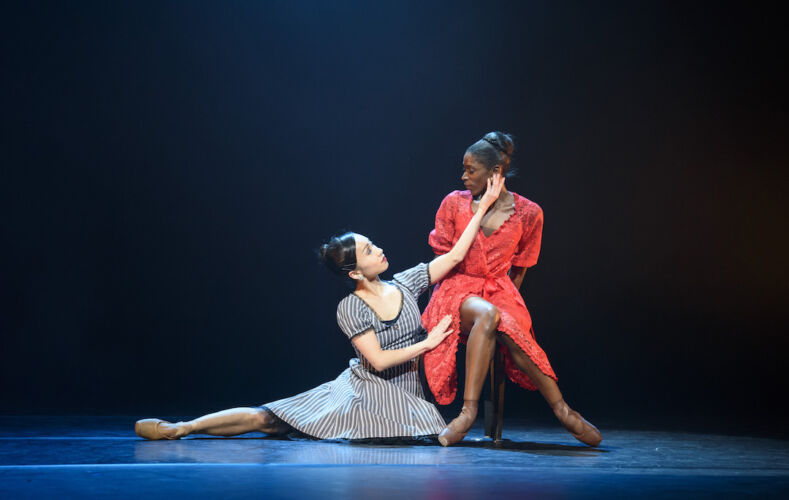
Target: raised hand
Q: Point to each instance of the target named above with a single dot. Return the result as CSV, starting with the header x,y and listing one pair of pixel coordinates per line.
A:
x,y
438,333
495,185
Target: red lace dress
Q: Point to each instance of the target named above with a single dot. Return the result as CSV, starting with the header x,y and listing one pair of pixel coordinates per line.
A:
x,y
483,273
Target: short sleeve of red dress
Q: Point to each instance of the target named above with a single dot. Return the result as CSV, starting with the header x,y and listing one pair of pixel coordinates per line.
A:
x,y
442,237
528,249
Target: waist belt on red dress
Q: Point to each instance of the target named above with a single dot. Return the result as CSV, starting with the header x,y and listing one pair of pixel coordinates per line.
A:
x,y
491,283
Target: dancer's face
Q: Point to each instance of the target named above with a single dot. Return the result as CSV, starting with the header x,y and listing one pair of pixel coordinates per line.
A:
x,y
475,175
370,260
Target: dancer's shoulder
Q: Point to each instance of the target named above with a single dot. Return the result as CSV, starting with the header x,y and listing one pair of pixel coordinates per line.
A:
x,y
525,205
353,316
452,198
351,305
459,194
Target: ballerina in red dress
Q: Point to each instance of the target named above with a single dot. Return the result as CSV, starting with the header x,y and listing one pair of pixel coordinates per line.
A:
x,y
481,294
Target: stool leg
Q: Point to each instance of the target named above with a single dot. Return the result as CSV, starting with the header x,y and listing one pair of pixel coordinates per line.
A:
x,y
494,408
499,378
489,403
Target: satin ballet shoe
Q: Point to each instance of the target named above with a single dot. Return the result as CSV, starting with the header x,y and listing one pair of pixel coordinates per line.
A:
x,y
148,428
450,435
589,434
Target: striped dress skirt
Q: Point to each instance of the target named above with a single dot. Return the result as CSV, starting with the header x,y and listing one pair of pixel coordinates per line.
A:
x,y
359,404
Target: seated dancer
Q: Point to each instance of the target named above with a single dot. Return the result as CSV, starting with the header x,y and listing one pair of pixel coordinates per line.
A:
x,y
484,302
379,395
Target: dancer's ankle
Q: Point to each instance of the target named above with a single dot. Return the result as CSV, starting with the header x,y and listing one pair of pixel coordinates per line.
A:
x,y
185,428
470,408
560,407
471,404
468,414
570,419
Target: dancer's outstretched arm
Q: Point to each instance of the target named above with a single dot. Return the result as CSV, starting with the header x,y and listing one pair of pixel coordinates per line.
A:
x,y
382,359
442,264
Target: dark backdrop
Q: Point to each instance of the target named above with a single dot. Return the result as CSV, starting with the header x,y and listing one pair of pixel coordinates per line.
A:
x,y
169,167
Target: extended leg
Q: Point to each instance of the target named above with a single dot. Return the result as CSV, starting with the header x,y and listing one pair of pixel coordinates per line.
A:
x,y
479,318
230,422
545,384
571,419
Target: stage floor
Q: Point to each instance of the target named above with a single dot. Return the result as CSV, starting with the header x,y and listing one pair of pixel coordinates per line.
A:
x,y
100,457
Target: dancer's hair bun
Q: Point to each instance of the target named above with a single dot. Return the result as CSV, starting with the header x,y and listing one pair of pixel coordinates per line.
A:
x,y
501,141
339,254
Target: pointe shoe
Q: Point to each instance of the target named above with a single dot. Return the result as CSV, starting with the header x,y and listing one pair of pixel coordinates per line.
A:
x,y
589,434
148,428
451,435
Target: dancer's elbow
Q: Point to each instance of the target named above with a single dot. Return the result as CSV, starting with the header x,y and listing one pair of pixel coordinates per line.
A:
x,y
378,362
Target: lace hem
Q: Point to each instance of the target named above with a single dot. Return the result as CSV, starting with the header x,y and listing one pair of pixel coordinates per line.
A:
x,y
531,349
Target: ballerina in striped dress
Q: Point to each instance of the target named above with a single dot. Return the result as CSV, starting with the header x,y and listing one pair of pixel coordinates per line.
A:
x,y
379,395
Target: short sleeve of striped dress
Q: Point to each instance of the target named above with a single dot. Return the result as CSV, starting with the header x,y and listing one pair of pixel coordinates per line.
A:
x,y
353,316
415,280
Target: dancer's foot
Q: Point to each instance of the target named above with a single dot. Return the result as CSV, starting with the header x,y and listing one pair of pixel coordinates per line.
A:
x,y
581,430
459,427
154,428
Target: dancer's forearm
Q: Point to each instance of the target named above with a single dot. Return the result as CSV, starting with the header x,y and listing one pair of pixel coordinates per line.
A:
x,y
382,359
387,359
442,264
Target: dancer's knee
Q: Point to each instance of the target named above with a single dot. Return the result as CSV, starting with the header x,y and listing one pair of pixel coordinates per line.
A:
x,y
479,314
261,419
489,319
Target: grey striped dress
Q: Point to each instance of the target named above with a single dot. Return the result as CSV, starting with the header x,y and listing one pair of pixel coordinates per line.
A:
x,y
363,403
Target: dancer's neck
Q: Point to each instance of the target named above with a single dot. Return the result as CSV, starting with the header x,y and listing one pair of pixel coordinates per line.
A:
x,y
372,287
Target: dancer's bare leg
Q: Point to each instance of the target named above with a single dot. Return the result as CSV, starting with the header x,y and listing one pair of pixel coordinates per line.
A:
x,y
545,384
230,422
573,422
479,318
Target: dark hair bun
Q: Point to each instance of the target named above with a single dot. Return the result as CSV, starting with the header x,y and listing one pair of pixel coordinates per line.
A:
x,y
339,254
501,141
